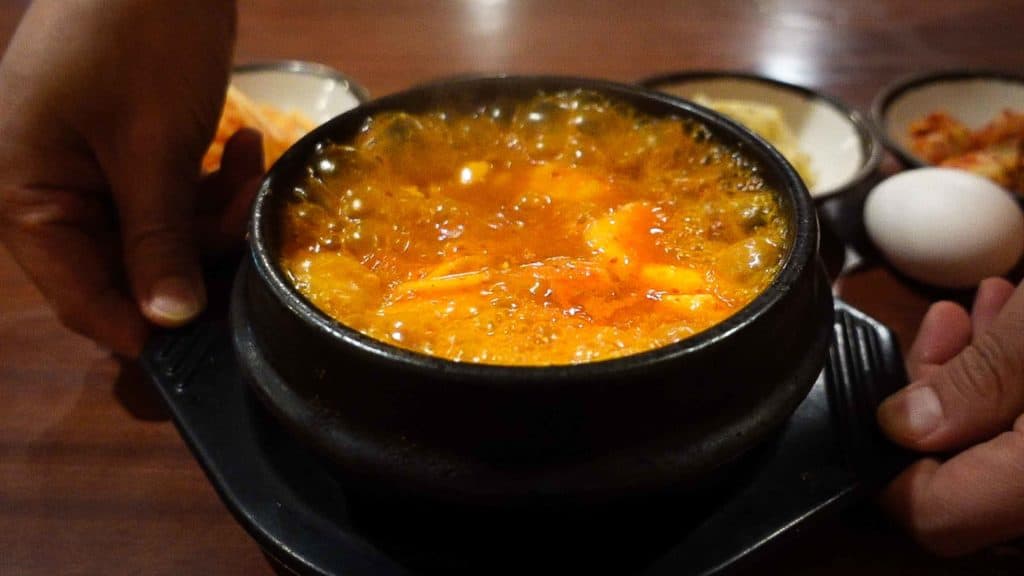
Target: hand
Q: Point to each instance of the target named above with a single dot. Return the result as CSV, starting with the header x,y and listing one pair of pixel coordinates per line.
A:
x,y
106,108
967,394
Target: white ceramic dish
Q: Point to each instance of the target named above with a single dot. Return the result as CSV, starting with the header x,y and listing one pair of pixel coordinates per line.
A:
x,y
842,146
973,97
317,91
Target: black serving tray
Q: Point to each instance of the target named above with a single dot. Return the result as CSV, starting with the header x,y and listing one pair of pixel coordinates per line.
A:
x,y
311,520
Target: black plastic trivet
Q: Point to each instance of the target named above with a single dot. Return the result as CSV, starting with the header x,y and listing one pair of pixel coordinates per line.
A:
x,y
309,520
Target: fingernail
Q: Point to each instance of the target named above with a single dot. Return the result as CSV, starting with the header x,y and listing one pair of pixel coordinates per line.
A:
x,y
175,300
911,415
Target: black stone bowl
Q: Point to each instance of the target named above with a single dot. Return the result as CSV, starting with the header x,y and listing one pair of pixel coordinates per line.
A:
x,y
490,434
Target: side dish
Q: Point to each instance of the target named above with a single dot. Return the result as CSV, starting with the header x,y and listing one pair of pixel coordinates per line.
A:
x,y
564,229
280,128
996,151
767,122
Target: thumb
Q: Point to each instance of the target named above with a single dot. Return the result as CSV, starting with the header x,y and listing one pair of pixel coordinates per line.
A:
x,y
973,397
155,192
972,500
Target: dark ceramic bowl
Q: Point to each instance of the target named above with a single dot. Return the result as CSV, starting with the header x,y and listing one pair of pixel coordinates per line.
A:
x,y
485,433
841,144
317,91
975,97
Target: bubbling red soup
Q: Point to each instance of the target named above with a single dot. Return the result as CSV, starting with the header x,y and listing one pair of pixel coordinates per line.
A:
x,y
568,228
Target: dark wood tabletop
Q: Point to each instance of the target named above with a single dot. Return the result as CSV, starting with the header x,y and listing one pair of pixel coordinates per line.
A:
x,y
94,479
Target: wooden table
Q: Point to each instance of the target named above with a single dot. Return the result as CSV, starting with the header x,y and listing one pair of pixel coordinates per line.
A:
x,y
93,477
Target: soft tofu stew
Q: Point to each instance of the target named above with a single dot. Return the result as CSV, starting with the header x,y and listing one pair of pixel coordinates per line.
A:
x,y
564,229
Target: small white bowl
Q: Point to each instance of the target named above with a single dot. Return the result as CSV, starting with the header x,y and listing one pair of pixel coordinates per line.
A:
x,y
843,149
317,91
973,97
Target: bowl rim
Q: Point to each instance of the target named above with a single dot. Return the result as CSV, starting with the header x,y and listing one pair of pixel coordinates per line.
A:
x,y
897,88
801,255
871,144
305,68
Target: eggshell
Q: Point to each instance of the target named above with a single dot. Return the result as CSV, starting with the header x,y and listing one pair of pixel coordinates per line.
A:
x,y
945,227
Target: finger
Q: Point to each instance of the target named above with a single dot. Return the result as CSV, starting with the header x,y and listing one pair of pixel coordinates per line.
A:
x,y
971,398
969,502
154,187
64,242
235,217
243,158
993,293
226,196
241,161
945,331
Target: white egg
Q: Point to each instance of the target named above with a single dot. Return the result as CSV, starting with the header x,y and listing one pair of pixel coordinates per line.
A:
x,y
945,227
